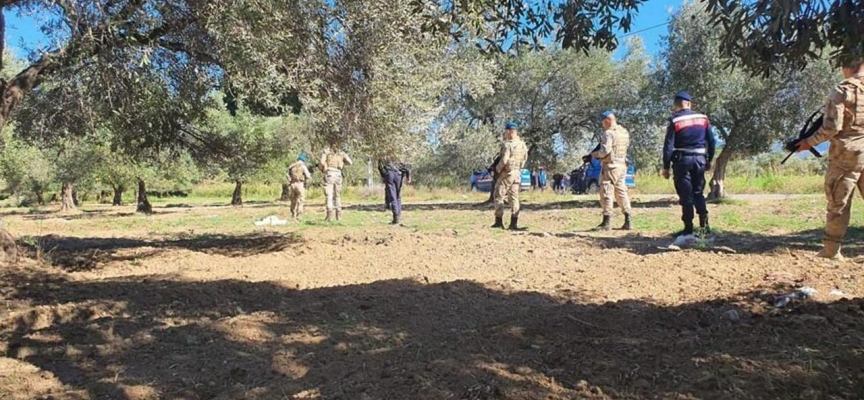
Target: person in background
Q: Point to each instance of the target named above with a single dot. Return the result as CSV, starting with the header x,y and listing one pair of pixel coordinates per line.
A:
x,y
558,183
612,153
542,179
689,150
511,160
333,161
298,174
392,174
535,179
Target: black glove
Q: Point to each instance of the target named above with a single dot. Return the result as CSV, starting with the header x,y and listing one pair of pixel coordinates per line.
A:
x,y
586,159
792,145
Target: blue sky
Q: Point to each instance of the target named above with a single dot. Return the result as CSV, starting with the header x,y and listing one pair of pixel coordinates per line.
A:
x,y
651,14
23,33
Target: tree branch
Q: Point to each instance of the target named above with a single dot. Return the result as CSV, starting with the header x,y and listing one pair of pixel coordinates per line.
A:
x,y
183,48
72,18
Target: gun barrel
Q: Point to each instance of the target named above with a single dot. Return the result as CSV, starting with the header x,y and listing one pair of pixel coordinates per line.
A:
x,y
787,158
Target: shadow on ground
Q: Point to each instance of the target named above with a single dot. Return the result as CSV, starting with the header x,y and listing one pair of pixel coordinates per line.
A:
x,y
113,212
473,206
402,339
86,253
740,242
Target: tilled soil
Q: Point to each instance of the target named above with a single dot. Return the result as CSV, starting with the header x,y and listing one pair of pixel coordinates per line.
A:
x,y
384,312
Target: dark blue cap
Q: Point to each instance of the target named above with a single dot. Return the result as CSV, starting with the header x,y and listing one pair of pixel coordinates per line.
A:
x,y
606,114
682,95
511,125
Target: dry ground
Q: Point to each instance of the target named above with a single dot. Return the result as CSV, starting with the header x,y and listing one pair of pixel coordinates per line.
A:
x,y
197,303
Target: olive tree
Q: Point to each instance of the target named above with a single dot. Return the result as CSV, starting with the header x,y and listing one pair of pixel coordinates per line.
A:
x,y
243,145
750,113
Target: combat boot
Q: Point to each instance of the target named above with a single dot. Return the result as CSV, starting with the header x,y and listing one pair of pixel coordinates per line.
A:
x,y
605,225
626,226
688,230
499,223
329,216
397,219
514,223
703,223
338,215
830,250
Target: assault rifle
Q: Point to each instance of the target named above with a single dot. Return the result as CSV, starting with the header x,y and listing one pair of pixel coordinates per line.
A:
x,y
809,129
493,169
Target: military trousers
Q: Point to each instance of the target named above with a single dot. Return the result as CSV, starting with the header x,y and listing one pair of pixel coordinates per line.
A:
x,y
297,195
689,175
843,176
613,187
393,192
333,189
507,188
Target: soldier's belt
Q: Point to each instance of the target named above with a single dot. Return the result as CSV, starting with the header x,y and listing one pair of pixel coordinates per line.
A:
x,y
692,151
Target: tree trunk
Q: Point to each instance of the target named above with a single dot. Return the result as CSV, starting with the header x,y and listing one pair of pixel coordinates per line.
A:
x,y
285,192
67,201
40,197
118,195
143,203
718,190
10,248
237,198
75,197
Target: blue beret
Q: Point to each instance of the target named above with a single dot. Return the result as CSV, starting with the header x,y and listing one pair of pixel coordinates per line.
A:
x,y
606,114
683,96
302,157
511,125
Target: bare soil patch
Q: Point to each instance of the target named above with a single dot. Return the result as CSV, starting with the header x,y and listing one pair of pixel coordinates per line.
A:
x,y
442,308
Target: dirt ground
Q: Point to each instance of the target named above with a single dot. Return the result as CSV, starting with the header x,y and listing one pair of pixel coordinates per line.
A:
x,y
197,303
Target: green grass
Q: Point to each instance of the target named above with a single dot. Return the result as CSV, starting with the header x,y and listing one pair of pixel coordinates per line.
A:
x,y
769,184
757,217
461,217
220,192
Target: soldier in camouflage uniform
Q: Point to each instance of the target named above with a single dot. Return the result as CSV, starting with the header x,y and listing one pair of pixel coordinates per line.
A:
x,y
298,174
513,155
612,153
332,162
843,125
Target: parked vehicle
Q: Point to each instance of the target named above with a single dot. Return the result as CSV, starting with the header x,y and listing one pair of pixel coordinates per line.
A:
x,y
482,180
586,178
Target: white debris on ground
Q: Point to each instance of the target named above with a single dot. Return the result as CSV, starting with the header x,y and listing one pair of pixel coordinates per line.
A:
x,y
271,220
692,241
